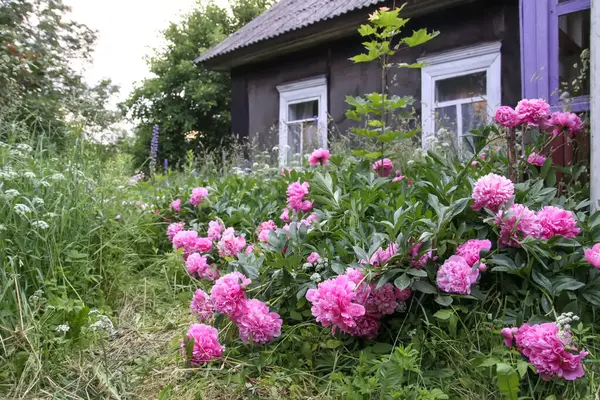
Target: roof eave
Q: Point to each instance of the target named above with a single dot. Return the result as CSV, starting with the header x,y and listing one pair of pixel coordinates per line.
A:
x,y
312,35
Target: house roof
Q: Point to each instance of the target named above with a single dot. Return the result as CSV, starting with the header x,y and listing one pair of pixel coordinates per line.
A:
x,y
284,16
291,25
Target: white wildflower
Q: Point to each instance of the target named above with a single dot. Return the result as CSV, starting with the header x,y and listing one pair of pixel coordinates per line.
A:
x,y
103,323
3,227
12,193
22,209
50,215
37,201
40,225
57,177
24,147
28,175
64,328
42,182
315,278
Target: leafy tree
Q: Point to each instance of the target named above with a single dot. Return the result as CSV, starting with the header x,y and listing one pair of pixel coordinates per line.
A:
x,y
183,97
39,48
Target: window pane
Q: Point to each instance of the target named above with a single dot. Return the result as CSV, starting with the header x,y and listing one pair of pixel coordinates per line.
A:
x,y
445,124
473,116
303,138
573,39
305,110
461,87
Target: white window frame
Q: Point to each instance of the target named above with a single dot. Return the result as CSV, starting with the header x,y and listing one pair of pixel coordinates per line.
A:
x,y
300,92
463,61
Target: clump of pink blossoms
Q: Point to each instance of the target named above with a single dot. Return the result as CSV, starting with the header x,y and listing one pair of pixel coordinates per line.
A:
x,y
593,255
418,262
296,193
492,191
314,258
548,349
201,307
198,195
533,112
256,323
536,159
382,256
334,303
264,228
230,244
175,205
518,223
566,121
228,295
206,344
196,264
383,168
175,228
319,156
470,251
456,276
285,215
555,221
190,242
507,116
214,230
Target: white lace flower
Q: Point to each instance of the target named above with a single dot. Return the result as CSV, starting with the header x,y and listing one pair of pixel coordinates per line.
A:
x,y
24,147
2,227
64,328
44,183
22,209
12,193
50,215
40,225
57,177
28,175
37,201
315,278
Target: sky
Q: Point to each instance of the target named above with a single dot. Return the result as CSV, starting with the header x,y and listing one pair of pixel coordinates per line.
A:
x,y
127,31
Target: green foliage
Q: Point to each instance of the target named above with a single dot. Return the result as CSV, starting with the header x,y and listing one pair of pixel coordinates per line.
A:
x,y
39,85
183,97
378,110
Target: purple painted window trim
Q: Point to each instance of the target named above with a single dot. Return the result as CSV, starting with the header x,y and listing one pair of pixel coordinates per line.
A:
x,y
539,49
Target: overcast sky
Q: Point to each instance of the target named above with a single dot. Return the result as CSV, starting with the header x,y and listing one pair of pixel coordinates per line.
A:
x,y
127,30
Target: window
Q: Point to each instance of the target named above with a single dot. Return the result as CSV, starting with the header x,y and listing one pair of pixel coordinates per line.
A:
x,y
460,90
302,119
552,49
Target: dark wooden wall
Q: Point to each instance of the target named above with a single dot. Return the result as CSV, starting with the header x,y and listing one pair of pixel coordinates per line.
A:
x,y
483,21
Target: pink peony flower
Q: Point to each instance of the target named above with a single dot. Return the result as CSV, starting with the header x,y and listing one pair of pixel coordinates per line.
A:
x,y
593,255
306,206
456,276
383,168
404,294
470,250
285,215
548,350
314,258
517,224
536,159
227,294
566,121
319,156
506,116
204,245
264,228
382,256
418,262
296,193
201,307
214,230
555,221
174,228
230,245
257,324
206,344
175,205
366,326
474,163
196,265
533,112
198,195
333,303
398,178
186,240
249,250
482,156
381,301
492,191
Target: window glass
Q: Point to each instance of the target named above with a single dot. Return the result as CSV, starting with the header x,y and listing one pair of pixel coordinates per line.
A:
x,y
303,111
446,121
302,139
573,40
473,116
461,87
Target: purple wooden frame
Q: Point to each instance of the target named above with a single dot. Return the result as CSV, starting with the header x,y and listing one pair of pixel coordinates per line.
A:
x,y
539,49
